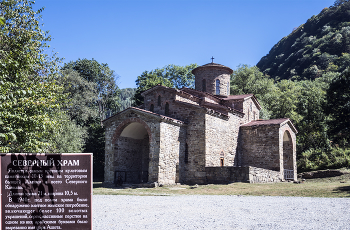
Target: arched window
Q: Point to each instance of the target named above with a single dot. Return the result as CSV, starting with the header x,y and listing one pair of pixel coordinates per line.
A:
x,y
217,87
151,108
221,162
204,85
159,100
186,153
167,108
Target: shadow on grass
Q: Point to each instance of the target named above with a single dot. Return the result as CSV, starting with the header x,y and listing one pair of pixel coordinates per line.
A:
x,y
124,186
343,189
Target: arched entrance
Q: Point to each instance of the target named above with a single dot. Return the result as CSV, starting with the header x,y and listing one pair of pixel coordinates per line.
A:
x,y
132,154
288,163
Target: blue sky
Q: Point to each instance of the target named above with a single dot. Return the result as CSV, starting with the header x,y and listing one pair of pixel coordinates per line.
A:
x,y
132,36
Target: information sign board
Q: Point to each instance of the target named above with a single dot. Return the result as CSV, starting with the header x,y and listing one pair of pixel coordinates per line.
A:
x,y
46,191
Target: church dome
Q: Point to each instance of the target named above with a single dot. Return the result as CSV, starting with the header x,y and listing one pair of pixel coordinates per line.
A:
x,y
213,78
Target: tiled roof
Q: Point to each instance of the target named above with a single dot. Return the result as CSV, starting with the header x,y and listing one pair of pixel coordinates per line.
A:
x,y
213,64
270,122
237,97
266,122
204,94
169,89
242,97
211,105
148,112
192,93
155,87
210,65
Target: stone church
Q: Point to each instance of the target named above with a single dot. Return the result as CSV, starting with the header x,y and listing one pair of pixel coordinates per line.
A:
x,y
199,136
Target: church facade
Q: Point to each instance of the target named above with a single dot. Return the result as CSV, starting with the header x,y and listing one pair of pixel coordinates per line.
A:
x,y
199,136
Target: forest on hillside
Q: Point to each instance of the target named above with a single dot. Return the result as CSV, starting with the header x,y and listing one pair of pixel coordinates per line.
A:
x,y
53,107
318,47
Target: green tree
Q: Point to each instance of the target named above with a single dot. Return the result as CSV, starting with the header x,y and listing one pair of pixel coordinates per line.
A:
x,y
180,76
339,2
29,98
312,125
146,81
106,102
169,76
94,95
95,143
300,101
338,108
247,80
69,137
82,96
126,98
285,104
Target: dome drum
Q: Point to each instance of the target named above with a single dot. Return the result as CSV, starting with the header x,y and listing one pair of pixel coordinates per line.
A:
x,y
213,78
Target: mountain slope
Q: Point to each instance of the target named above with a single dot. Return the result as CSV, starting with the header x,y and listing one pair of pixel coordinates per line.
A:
x,y
319,46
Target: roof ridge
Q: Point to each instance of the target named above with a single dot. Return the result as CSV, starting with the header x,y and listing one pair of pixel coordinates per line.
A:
x,y
209,94
146,111
270,122
211,64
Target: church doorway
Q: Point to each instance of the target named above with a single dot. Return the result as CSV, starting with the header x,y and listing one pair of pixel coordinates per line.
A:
x,y
288,156
132,154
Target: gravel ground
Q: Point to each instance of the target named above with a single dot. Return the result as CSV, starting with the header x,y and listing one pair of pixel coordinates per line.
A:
x,y
219,212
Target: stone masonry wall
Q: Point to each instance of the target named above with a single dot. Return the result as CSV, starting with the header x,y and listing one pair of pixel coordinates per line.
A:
x,y
210,75
227,174
172,145
235,104
221,137
247,106
263,147
180,107
260,147
166,95
127,154
186,99
261,175
193,171
224,175
250,110
131,156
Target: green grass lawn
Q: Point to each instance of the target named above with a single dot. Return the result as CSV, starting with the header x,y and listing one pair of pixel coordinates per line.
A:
x,y
338,186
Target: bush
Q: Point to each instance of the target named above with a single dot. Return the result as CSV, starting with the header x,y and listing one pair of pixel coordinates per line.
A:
x,y
316,159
